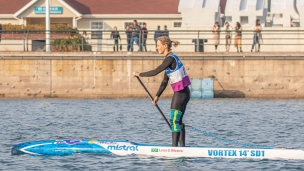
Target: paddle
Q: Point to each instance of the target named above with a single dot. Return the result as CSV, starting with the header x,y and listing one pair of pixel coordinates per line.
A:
x,y
152,100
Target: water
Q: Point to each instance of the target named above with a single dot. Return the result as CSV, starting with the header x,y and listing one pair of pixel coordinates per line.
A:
x,y
262,122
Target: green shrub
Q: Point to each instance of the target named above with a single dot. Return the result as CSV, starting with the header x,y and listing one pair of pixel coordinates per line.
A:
x,y
75,42
60,27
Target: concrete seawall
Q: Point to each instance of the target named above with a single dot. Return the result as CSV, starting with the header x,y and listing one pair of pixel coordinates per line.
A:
x,y
109,75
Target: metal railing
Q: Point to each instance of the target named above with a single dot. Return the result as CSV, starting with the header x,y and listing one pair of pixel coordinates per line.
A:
x,y
288,40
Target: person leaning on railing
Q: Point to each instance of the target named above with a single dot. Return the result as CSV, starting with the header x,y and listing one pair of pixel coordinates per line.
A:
x,y
143,37
85,36
115,35
238,36
129,34
216,35
166,31
135,34
157,34
228,36
257,36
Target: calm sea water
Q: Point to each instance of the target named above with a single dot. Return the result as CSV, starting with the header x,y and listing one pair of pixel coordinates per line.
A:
x,y
264,122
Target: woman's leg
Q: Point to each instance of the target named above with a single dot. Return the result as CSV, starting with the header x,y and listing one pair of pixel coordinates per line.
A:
x,y
240,44
226,44
116,44
145,44
131,43
178,107
229,42
182,137
236,43
175,114
258,42
128,44
254,42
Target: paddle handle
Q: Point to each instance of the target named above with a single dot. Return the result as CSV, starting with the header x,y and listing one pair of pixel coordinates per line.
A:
x,y
152,100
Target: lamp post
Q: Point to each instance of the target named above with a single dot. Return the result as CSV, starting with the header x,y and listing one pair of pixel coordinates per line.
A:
x,y
47,26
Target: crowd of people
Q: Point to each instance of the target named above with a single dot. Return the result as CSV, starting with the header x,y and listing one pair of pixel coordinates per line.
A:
x,y
257,36
139,35
135,34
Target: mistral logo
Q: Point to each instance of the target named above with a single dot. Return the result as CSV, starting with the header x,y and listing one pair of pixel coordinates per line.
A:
x,y
123,147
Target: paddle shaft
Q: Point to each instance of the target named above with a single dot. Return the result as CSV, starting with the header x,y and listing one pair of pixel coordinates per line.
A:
x,y
152,100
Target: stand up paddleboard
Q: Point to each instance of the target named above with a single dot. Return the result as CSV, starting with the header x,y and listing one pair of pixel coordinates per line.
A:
x,y
123,148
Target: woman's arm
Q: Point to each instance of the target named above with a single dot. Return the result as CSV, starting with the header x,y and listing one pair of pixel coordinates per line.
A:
x,y
166,63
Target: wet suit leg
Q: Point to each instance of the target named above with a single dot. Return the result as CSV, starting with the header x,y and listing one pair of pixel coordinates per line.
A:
x,y
178,106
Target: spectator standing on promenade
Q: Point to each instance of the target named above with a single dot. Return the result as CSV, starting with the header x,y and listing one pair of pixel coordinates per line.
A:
x,y
143,36
257,36
166,31
129,34
216,35
134,35
86,40
115,35
0,31
157,34
228,36
238,36
85,36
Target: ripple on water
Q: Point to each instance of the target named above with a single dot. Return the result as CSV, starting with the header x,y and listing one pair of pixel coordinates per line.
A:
x,y
265,122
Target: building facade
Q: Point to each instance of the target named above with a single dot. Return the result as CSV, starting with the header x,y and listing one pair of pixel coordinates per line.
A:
x,y
187,20
92,14
105,14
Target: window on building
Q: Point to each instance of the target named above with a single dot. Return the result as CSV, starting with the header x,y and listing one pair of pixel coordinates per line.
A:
x,y
228,19
278,15
177,24
131,23
244,20
97,25
96,29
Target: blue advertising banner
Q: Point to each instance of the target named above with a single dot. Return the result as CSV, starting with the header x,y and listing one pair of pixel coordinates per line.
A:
x,y
53,10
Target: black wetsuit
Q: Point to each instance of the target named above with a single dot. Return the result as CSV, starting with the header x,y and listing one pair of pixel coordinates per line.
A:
x,y
180,98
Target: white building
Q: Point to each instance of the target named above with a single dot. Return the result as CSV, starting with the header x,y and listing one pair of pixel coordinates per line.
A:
x,y
283,13
199,13
190,14
245,11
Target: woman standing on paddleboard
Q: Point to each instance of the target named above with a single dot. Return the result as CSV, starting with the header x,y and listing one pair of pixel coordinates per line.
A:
x,y
179,80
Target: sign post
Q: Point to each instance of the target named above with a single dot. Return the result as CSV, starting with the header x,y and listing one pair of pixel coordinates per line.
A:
x,y
47,26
